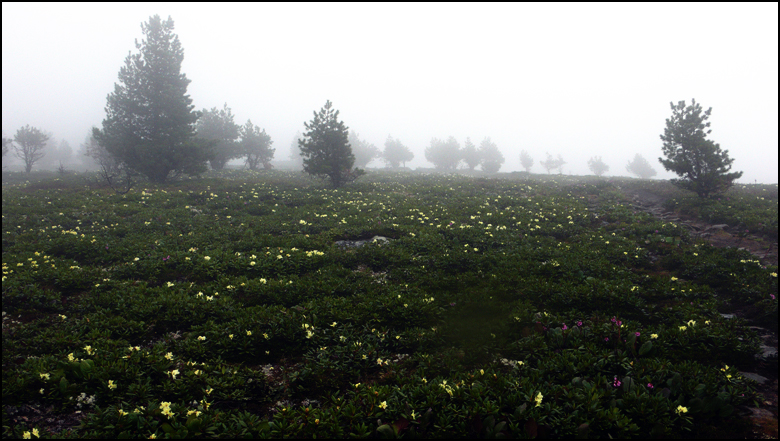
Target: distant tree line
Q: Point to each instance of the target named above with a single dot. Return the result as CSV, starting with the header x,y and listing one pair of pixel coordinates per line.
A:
x,y
152,130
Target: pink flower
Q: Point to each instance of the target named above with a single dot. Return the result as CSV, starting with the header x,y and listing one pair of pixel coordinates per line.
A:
x,y
650,385
637,334
606,339
565,327
579,323
616,382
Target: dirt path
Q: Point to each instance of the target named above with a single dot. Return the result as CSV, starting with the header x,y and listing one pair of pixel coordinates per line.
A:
x,y
764,419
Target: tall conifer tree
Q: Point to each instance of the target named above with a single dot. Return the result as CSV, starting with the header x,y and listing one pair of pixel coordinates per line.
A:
x,y
150,122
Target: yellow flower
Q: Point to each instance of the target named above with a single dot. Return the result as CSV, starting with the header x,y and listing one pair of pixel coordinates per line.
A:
x,y
383,405
681,410
201,338
169,355
674,279
111,384
683,328
45,376
653,336
248,332
691,322
26,435
207,258
122,412
538,399
35,433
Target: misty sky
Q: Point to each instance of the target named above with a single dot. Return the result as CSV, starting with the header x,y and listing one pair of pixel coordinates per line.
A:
x,y
573,79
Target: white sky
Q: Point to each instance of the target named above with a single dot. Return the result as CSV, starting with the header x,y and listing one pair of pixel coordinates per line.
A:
x,y
576,79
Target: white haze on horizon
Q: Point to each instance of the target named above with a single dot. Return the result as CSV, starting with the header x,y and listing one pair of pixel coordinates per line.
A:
x,y
579,80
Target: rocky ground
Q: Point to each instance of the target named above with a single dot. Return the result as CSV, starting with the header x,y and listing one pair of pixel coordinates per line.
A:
x,y
763,419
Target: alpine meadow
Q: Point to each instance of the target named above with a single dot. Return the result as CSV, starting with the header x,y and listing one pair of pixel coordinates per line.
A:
x,y
407,265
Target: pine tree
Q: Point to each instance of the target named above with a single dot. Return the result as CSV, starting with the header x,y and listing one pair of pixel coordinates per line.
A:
x,y
325,148
217,126
471,156
444,155
700,162
256,145
491,157
396,153
150,122
526,161
640,167
597,166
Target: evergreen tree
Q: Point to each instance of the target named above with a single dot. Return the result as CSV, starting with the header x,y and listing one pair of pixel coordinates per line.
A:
x,y
256,145
150,121
363,150
700,162
526,161
31,143
218,127
491,157
444,155
640,167
471,156
597,166
325,148
396,153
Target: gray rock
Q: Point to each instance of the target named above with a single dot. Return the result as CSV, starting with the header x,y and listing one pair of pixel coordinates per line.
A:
x,y
755,377
360,243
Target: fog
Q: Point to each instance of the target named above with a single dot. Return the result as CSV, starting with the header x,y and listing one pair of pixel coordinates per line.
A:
x,y
579,80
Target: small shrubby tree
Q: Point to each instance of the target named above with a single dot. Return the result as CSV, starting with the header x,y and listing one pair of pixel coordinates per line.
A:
x,y
444,155
396,153
256,145
491,157
325,148
597,166
471,156
526,161
218,127
553,163
150,121
701,164
640,167
363,150
30,145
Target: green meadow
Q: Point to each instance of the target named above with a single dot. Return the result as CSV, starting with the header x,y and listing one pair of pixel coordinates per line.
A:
x,y
240,304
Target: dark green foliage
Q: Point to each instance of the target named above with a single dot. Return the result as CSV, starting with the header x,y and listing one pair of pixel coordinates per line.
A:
x,y
496,308
325,148
256,145
640,167
31,143
701,164
443,155
150,121
217,126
